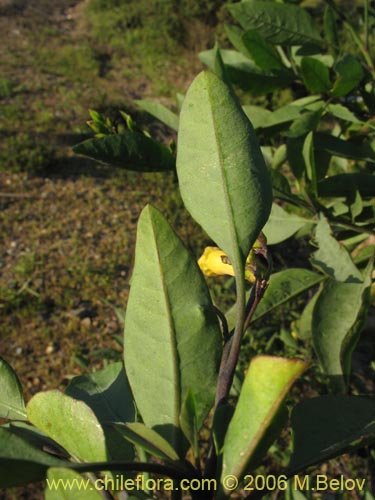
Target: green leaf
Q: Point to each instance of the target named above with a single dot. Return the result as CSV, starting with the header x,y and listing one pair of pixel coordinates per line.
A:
x,y
281,225
234,34
305,123
221,171
305,321
349,74
328,426
309,159
330,30
219,67
12,405
255,422
283,286
343,113
130,150
108,394
332,258
277,23
247,75
149,440
263,54
294,148
172,338
17,455
66,420
344,149
315,75
347,184
257,115
281,190
160,112
80,487
188,422
338,318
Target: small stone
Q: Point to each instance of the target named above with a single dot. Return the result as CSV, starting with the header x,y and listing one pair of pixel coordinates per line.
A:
x,y
49,349
86,322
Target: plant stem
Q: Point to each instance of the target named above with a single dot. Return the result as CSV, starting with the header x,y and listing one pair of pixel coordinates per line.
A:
x,y
228,366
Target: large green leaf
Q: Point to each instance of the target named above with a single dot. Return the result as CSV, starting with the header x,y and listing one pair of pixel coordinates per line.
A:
x,y
315,75
278,23
12,404
246,74
172,338
328,426
80,487
255,423
67,420
130,150
223,179
21,462
338,318
281,225
160,112
283,286
332,258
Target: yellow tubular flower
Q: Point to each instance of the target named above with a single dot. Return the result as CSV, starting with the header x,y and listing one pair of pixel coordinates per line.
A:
x,y
215,262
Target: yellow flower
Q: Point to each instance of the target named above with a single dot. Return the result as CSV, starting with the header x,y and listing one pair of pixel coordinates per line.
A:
x,y
215,262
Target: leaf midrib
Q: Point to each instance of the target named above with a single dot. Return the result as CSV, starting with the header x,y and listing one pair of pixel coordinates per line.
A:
x,y
172,332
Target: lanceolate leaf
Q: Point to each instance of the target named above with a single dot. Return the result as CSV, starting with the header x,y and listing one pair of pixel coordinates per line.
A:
x,y
246,74
256,423
140,435
263,54
20,462
66,420
315,75
328,426
12,404
160,112
278,23
223,179
172,338
333,258
338,319
281,225
130,150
